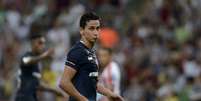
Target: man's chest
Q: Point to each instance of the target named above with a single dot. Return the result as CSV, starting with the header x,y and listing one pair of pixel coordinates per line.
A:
x,y
90,62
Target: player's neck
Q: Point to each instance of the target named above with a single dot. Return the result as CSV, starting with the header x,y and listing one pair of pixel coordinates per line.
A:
x,y
33,51
87,43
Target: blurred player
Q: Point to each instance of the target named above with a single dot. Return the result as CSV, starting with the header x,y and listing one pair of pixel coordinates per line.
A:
x,y
80,75
110,76
29,74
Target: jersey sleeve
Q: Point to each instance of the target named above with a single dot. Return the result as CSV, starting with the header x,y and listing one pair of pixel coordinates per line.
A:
x,y
25,59
73,59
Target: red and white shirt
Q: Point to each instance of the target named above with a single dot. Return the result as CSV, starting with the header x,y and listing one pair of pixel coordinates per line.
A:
x,y
110,78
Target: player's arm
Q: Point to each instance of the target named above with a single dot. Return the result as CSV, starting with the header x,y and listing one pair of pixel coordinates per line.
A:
x,y
67,85
34,59
107,92
45,87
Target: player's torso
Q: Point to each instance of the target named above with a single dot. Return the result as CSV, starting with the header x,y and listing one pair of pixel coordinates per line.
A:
x,y
29,76
85,79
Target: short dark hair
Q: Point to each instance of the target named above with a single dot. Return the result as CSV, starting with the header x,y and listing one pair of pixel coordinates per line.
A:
x,y
86,17
109,50
35,36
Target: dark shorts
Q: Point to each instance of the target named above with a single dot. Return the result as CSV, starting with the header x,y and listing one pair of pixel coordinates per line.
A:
x,y
27,90
22,97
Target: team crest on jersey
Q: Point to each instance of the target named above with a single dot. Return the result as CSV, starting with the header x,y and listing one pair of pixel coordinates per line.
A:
x,y
92,56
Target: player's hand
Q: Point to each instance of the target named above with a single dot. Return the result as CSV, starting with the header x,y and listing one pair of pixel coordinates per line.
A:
x,y
116,97
48,53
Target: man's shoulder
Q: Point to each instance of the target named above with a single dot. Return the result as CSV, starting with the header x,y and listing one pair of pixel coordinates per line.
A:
x,y
25,57
115,68
76,48
26,54
114,64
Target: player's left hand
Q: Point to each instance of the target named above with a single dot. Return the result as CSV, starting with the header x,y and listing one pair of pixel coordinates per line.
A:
x,y
116,97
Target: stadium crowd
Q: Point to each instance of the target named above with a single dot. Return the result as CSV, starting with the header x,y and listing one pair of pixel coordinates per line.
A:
x,y
157,43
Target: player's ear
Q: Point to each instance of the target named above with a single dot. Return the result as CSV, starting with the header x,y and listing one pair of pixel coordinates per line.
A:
x,y
81,30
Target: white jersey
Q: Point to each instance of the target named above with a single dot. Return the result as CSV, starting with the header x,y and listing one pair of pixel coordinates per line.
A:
x,y
110,78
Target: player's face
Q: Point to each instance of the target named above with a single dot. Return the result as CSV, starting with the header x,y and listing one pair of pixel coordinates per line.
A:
x,y
39,45
104,57
91,31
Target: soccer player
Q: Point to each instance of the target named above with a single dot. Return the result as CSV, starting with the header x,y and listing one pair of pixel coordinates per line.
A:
x,y
80,75
29,74
110,76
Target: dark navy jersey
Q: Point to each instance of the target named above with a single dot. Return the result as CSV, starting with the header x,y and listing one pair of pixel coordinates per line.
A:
x,y
84,61
29,76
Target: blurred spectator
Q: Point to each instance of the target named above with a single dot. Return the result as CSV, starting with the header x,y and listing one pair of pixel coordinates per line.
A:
x,y
110,72
59,38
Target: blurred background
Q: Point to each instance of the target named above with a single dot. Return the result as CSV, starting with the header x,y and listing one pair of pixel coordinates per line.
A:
x,y
157,43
